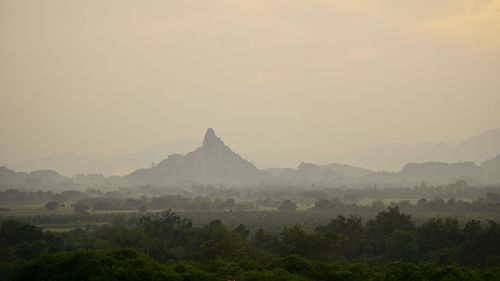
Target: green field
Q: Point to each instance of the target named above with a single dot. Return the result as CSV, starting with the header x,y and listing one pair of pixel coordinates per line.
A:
x,y
34,210
39,210
67,227
388,201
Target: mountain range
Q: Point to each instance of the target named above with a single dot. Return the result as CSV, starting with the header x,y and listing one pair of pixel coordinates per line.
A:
x,y
122,164
391,157
385,157
215,163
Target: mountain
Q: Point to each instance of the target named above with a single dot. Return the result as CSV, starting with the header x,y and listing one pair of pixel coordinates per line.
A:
x,y
42,179
441,173
215,163
70,163
491,168
391,157
212,163
309,173
492,165
434,173
483,146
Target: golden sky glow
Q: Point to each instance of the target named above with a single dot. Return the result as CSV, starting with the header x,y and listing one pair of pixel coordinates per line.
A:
x,y
289,79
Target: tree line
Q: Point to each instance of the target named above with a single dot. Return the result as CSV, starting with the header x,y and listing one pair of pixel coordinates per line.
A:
x,y
390,237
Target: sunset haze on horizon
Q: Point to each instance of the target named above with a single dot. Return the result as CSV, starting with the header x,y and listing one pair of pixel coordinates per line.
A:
x,y
293,80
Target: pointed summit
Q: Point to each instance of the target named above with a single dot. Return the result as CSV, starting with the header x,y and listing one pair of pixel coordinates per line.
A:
x,y
210,138
212,163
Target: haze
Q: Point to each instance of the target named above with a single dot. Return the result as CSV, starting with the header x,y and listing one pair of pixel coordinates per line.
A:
x,y
286,80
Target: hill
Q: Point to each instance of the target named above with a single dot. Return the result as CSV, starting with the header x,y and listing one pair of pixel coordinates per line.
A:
x,y
212,163
122,164
391,157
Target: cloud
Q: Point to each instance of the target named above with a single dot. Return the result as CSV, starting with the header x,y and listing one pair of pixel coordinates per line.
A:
x,y
473,23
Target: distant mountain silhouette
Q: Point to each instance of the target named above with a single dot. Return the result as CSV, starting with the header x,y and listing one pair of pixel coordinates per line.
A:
x,y
435,173
392,157
70,163
491,168
33,180
309,173
212,163
216,164
440,173
492,165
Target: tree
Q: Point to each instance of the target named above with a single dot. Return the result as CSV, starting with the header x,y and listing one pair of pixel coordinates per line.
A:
x,y
215,241
438,233
168,235
15,232
383,226
295,241
326,205
80,208
386,222
133,204
401,245
121,237
120,264
348,234
229,204
21,240
242,231
287,206
102,205
264,241
51,206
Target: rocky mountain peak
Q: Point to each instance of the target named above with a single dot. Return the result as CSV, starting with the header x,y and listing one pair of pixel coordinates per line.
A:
x,y
211,139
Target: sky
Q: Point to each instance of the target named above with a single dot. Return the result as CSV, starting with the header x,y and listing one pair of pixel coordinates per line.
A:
x,y
280,79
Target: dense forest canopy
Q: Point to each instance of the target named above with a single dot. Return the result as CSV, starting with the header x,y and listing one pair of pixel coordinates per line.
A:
x,y
169,247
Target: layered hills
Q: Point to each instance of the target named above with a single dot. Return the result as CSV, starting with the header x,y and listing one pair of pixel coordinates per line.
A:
x,y
214,163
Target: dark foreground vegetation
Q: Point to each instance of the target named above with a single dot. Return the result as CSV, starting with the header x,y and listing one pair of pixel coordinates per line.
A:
x,y
165,246
128,264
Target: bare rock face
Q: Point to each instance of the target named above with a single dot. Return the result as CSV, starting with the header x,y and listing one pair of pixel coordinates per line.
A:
x,y
211,140
212,163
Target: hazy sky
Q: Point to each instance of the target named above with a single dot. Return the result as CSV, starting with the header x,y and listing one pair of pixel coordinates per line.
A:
x,y
277,77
